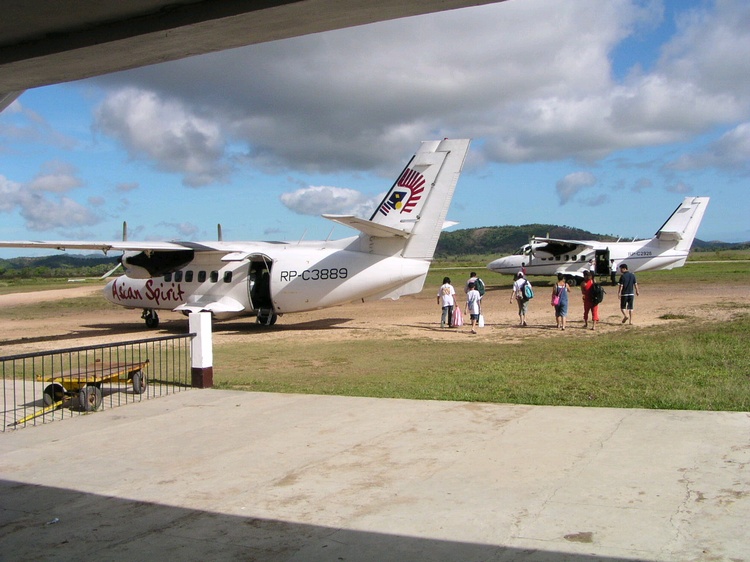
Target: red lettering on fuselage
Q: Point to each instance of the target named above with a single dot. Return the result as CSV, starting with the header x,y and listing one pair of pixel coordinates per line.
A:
x,y
153,292
121,293
159,294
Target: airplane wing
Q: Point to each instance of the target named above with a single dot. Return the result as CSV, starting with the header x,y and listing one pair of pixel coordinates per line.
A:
x,y
127,246
558,247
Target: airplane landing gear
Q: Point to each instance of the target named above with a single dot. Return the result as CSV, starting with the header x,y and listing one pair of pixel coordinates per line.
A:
x,y
266,317
151,318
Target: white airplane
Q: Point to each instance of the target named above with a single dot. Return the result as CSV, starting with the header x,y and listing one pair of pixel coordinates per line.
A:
x,y
666,250
389,258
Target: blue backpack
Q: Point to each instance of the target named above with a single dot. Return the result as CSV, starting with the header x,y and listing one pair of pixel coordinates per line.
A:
x,y
528,292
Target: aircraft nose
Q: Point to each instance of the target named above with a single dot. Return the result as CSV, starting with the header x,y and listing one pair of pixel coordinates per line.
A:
x,y
496,264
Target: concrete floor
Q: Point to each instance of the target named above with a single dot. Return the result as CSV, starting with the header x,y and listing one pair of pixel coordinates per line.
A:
x,y
223,475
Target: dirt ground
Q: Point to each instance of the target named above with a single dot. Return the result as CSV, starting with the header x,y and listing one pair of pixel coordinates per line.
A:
x,y
410,317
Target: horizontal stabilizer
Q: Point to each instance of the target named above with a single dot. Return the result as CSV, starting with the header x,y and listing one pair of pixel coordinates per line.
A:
x,y
673,236
368,227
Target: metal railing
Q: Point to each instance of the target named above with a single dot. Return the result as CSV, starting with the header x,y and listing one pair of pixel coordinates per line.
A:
x,y
52,385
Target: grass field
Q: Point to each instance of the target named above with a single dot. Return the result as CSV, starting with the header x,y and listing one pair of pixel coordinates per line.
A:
x,y
696,365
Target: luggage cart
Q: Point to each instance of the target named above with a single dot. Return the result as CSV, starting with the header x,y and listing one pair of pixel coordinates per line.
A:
x,y
87,384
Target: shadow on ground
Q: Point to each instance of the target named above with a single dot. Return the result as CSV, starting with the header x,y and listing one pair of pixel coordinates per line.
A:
x,y
39,522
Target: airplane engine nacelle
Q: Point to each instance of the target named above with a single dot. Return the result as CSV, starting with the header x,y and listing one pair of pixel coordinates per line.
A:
x,y
143,265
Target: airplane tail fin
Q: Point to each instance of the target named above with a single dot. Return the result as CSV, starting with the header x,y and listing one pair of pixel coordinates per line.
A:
x,y
682,226
411,216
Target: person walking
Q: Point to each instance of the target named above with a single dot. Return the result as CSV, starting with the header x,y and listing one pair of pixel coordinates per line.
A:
x,y
613,272
627,290
446,298
472,279
521,300
589,304
472,306
560,292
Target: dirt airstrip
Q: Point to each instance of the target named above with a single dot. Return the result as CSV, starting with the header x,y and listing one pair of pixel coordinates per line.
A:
x,y
410,317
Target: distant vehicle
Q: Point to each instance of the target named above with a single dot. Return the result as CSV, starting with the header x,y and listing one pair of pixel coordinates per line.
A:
x,y
389,258
668,249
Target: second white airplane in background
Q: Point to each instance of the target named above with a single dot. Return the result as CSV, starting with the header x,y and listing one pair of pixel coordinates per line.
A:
x,y
668,249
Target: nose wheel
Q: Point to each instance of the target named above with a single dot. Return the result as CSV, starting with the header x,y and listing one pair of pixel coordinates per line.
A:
x,y
151,318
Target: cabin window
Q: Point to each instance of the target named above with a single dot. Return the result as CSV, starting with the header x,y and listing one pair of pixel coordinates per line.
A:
x,y
557,258
189,276
201,277
227,277
178,276
567,257
214,276
168,277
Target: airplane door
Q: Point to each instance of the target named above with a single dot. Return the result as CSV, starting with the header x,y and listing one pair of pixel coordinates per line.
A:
x,y
601,262
259,284
259,289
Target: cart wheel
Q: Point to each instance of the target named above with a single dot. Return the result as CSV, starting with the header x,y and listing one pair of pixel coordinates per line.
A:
x,y
53,393
90,398
140,382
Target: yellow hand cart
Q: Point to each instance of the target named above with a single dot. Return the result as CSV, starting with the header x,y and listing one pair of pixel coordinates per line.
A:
x,y
87,384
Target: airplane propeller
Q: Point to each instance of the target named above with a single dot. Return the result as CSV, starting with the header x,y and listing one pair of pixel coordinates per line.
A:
x,y
119,263
111,271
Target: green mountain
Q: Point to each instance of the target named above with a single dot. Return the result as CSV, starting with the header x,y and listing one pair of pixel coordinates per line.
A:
x,y
57,265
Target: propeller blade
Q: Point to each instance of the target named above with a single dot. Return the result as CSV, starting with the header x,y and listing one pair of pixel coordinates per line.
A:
x,y
111,271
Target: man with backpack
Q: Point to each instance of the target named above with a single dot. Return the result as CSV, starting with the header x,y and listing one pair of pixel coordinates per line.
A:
x,y
478,284
522,293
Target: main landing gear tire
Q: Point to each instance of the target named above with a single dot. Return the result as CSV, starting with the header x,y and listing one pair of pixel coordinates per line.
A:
x,y
266,318
151,318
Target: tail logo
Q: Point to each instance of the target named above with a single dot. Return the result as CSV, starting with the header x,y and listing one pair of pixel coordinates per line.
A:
x,y
405,194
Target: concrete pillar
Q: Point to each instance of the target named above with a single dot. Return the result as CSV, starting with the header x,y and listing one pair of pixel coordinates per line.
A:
x,y
201,350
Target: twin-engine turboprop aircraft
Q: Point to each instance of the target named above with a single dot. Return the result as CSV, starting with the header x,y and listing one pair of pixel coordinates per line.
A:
x,y
389,258
668,249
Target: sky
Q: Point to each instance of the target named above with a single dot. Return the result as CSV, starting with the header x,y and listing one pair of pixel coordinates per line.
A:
x,y
596,115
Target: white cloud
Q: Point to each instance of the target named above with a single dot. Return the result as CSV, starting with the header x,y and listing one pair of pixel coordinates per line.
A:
x,y
41,204
533,80
185,230
9,194
730,152
42,213
316,200
55,177
680,187
167,133
572,184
